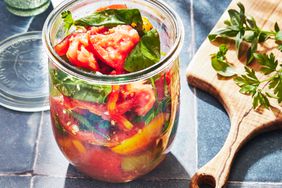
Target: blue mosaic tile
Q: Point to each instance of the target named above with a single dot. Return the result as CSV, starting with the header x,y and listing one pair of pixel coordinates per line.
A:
x,y
260,159
186,137
20,24
15,181
18,139
206,14
46,182
213,127
38,21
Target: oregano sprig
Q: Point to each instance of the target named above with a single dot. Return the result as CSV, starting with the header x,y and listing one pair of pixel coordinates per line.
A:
x,y
243,28
220,64
248,82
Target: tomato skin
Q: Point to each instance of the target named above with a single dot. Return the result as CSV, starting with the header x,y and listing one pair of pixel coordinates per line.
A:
x,y
114,6
62,47
143,96
145,99
97,30
102,164
80,53
114,46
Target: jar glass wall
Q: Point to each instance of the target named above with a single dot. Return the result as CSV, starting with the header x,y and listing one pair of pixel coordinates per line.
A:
x,y
115,127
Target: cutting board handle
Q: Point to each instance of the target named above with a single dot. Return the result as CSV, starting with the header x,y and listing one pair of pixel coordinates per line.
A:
x,y
215,173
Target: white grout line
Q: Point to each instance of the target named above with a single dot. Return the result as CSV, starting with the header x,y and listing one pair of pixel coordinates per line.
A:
x,y
37,146
195,106
255,183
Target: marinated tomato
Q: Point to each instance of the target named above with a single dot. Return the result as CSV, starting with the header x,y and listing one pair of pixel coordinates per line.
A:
x,y
110,132
114,46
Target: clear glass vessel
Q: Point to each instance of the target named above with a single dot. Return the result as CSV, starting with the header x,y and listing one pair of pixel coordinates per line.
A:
x,y
27,7
115,128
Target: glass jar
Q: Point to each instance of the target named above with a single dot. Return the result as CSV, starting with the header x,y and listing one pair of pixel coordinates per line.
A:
x,y
27,7
115,128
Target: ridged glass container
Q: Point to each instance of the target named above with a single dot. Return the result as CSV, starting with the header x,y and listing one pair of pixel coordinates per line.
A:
x,y
115,141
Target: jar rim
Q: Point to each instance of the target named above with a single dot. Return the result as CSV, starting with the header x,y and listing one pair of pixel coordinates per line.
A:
x,y
114,79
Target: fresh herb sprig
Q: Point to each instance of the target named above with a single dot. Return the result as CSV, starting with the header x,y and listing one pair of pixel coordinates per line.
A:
x,y
249,83
220,64
243,28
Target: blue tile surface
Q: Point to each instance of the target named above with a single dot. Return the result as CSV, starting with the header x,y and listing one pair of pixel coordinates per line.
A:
x,y
213,127
260,159
18,139
15,181
18,25
46,182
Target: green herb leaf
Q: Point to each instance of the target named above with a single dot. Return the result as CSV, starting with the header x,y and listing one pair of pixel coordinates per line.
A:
x,y
58,125
113,17
79,89
238,42
278,36
251,51
146,52
280,47
276,27
269,63
241,7
85,124
276,85
224,32
260,99
68,20
248,82
219,63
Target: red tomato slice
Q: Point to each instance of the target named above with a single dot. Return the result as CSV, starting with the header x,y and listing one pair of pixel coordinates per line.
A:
x,y
102,164
115,6
144,100
114,46
62,47
79,52
97,30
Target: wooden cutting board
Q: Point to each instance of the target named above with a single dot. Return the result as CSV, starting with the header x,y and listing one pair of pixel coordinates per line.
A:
x,y
245,121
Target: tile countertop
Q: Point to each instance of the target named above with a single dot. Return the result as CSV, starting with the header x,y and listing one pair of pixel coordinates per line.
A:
x,y
29,156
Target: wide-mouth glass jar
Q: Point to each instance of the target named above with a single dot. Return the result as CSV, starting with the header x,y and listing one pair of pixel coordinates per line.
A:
x,y
115,128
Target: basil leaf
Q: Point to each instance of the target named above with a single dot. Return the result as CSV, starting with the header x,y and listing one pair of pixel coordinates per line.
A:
x,y
79,89
86,125
68,20
113,17
146,53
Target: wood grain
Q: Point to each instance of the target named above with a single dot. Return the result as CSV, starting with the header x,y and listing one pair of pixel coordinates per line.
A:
x,y
245,121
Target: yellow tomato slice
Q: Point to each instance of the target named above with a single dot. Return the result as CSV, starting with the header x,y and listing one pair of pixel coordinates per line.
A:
x,y
143,138
78,145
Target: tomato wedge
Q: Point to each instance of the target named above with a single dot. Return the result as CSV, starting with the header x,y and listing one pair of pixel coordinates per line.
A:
x,y
115,6
78,50
114,46
62,47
